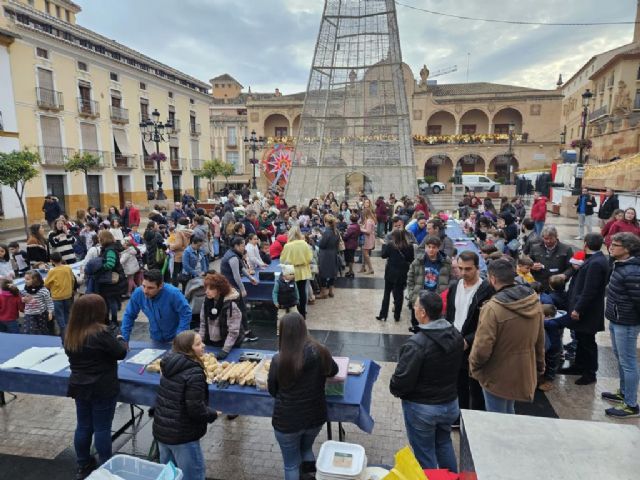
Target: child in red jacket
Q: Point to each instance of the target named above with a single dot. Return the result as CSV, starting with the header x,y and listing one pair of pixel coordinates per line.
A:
x,y
10,307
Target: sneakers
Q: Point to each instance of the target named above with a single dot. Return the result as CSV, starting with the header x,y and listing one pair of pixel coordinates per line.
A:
x,y
250,337
585,380
624,411
613,397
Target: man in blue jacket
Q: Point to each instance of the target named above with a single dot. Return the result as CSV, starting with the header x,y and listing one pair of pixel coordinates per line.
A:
x,y
163,304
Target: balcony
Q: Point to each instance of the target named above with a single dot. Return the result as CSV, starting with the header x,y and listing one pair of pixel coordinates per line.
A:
x,y
600,112
194,129
232,144
196,164
120,160
54,156
88,108
49,99
177,163
101,154
148,164
119,115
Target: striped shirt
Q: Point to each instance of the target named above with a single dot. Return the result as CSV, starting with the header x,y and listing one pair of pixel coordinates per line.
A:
x,y
40,302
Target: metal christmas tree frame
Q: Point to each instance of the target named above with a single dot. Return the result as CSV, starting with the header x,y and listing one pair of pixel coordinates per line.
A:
x,y
355,121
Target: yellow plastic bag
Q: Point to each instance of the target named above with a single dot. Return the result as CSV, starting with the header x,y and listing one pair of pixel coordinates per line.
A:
x,y
406,467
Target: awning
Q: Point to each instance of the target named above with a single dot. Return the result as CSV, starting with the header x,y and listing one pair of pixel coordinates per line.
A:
x,y
120,137
150,147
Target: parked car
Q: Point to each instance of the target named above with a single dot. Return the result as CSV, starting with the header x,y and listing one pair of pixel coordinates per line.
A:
x,y
434,187
479,183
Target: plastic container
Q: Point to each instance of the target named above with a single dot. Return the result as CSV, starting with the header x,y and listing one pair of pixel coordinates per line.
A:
x,y
335,385
262,373
340,459
133,468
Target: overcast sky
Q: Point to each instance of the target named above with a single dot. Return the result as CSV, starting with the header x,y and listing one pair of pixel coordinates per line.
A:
x,y
269,43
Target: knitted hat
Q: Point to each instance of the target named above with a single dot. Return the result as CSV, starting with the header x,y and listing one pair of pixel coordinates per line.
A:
x,y
287,269
578,258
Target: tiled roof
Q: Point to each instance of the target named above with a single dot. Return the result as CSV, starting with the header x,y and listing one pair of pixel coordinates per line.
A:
x,y
479,88
225,77
244,97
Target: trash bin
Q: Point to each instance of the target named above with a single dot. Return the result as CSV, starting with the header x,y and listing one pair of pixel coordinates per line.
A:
x,y
133,468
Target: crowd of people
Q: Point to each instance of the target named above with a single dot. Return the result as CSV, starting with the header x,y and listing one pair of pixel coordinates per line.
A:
x,y
495,335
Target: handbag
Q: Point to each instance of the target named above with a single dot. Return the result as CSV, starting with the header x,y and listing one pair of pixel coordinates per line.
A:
x,y
341,247
107,278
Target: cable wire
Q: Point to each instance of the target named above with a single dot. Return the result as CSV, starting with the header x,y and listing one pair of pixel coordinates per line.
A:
x,y
513,22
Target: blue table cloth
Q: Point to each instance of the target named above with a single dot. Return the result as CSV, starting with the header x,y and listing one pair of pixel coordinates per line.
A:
x,y
140,388
462,242
263,290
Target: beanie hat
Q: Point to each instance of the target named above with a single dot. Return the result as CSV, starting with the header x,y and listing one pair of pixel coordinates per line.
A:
x,y
287,269
578,258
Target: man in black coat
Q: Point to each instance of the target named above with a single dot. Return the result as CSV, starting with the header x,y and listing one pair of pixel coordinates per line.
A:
x,y
51,209
550,257
464,300
586,301
609,204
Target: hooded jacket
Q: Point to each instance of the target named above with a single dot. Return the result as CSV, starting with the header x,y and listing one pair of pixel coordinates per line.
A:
x,y
508,351
275,249
182,406
623,293
428,365
539,210
222,327
181,242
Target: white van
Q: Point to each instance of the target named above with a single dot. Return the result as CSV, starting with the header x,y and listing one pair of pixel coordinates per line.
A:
x,y
478,183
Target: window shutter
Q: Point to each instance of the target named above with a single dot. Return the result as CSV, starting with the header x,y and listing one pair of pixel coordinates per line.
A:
x,y
195,149
89,136
51,133
120,137
45,79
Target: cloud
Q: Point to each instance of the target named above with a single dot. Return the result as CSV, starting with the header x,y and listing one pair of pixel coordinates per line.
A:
x,y
270,43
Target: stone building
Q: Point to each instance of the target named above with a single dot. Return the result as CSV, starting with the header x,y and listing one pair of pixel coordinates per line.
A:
x,y
77,91
613,124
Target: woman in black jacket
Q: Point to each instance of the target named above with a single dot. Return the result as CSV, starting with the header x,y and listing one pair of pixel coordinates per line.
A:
x,y
399,255
296,379
182,407
93,356
328,257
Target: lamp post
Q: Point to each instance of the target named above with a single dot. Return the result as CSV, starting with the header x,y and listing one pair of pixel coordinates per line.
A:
x,y
586,99
512,128
154,131
254,144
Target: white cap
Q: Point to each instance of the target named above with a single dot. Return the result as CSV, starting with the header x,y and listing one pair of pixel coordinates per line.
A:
x,y
287,269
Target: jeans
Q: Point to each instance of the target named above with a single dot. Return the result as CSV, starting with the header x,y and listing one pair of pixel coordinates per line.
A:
x,y
302,293
554,329
498,404
10,326
61,311
216,246
624,339
380,229
186,456
587,354
583,220
94,420
538,226
296,448
397,288
113,307
429,433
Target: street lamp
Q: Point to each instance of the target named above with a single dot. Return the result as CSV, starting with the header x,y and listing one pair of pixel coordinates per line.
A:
x,y
512,129
154,131
254,144
586,99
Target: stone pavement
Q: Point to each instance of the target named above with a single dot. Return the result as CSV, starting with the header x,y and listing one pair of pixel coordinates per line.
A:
x,y
37,440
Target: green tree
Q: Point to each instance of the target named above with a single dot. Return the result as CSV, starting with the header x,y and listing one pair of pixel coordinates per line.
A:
x,y
210,170
16,169
226,170
82,162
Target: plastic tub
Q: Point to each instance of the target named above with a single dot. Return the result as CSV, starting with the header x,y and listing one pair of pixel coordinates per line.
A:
x,y
133,468
341,459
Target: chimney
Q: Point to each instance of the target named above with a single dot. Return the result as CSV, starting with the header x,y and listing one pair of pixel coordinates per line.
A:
x,y
636,30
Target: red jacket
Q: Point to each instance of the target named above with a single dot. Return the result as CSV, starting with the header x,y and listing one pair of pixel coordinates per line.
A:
x,y
275,250
10,306
539,210
134,217
422,208
622,226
